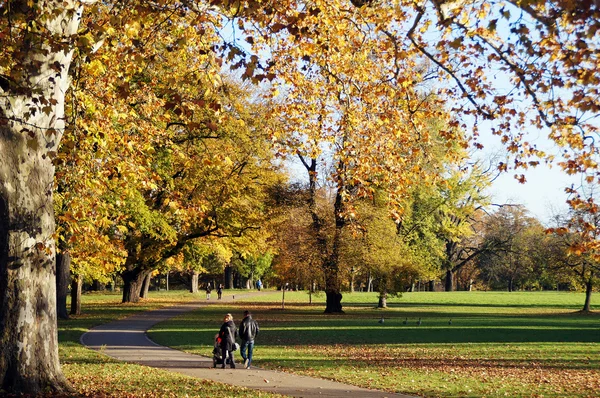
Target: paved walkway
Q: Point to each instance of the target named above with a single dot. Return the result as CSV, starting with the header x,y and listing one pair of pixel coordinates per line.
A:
x,y
126,340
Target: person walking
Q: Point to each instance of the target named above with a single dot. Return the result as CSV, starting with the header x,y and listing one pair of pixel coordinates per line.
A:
x,y
208,291
228,334
248,331
219,291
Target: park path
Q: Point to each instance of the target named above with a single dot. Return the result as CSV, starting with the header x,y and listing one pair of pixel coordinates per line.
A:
x,y
126,340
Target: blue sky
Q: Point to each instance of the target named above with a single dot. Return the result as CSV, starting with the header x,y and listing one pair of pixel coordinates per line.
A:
x,y
543,194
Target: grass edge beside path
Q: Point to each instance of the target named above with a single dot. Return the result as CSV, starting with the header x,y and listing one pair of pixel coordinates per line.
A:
x,y
93,374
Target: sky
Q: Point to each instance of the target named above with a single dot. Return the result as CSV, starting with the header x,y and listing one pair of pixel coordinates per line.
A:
x,y
543,193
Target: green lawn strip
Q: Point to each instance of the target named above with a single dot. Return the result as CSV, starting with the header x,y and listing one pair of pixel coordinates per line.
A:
x,y
93,374
551,299
495,350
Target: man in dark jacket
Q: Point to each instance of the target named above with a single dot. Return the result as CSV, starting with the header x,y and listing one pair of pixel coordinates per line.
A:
x,y
247,332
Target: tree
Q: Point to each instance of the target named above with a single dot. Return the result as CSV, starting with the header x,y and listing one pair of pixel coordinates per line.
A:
x,y
512,233
550,48
577,236
462,198
37,53
378,247
297,257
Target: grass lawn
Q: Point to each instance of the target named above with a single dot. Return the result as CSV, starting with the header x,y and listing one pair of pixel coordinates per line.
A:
x,y
498,344
95,375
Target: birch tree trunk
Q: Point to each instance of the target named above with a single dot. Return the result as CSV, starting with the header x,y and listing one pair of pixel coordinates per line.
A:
x,y
32,122
194,282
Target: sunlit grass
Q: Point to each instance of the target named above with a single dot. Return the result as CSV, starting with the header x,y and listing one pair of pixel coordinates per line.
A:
x,y
498,344
552,299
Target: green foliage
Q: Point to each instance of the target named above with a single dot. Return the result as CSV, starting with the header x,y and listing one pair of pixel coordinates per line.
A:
x,y
147,221
375,248
255,266
516,237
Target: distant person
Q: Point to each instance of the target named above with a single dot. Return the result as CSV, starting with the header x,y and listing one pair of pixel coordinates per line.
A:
x,y
259,285
228,334
208,291
248,331
219,291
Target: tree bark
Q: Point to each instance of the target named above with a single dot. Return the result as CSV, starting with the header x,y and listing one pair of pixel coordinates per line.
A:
x,y
76,286
382,300
194,282
98,286
329,258
146,285
588,294
333,302
228,277
449,282
63,268
133,280
332,280
32,122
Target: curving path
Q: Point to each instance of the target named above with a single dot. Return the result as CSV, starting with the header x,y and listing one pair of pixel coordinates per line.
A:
x,y
126,340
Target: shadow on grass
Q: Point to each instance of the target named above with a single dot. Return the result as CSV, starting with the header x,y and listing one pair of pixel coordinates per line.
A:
x,y
392,335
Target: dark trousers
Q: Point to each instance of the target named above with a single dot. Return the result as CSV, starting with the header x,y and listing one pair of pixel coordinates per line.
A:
x,y
225,354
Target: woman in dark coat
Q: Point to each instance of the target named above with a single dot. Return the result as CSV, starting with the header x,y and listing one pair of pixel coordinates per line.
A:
x,y
228,334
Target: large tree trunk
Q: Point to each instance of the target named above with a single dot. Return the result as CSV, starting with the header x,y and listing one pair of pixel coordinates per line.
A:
x,y
194,282
76,287
132,284
588,294
329,259
449,282
228,277
333,302
332,267
146,285
382,300
63,268
32,122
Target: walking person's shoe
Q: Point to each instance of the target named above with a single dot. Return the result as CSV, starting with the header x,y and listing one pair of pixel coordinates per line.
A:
x,y
246,363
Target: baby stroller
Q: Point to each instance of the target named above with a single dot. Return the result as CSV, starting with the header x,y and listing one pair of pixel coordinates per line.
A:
x,y
217,356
